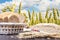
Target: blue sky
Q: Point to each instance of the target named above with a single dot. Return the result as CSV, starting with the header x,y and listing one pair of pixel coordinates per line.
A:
x,y
37,5
3,1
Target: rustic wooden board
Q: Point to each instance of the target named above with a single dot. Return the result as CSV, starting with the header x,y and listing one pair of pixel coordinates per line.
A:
x,y
13,37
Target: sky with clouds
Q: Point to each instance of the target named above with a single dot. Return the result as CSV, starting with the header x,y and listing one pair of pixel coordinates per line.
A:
x,y
37,5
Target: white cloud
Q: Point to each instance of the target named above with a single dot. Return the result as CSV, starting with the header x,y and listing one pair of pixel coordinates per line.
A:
x,y
42,4
30,2
17,2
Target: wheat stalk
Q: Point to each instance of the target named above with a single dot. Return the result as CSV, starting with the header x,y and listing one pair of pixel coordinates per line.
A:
x,y
32,18
29,15
40,17
36,21
20,6
57,12
49,19
55,15
47,11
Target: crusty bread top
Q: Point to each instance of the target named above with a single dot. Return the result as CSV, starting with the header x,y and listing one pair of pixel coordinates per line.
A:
x,y
6,15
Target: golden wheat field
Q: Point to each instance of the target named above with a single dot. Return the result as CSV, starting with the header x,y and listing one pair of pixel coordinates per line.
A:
x,y
35,18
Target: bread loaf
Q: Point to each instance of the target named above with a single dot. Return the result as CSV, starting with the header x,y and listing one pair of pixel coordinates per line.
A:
x,y
5,16
22,18
11,17
31,34
15,17
47,28
1,18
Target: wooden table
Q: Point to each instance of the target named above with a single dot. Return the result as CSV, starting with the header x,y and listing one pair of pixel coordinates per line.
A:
x,y
13,37
16,37
8,37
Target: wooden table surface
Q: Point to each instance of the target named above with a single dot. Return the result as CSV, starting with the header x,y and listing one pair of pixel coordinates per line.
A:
x,y
13,37
8,37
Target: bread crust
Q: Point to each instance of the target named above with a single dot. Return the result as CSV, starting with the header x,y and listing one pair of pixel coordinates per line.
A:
x,y
11,17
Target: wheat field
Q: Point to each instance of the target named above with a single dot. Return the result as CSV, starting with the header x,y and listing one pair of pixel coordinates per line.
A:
x,y
35,18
